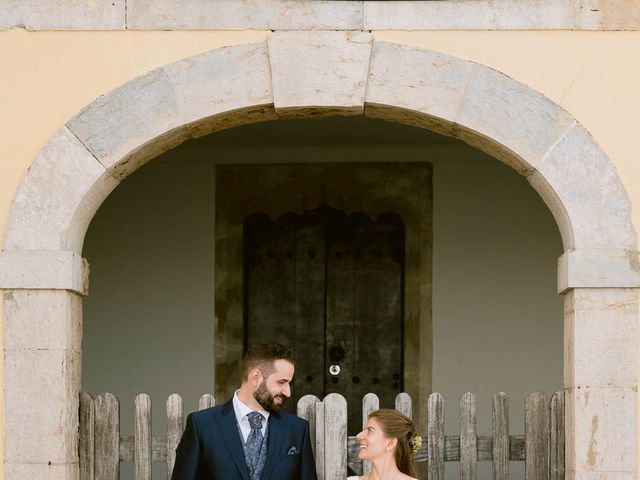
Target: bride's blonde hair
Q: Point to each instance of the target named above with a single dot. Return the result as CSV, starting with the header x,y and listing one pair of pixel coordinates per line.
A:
x,y
396,425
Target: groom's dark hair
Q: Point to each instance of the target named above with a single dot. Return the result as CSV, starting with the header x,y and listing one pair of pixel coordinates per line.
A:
x,y
263,356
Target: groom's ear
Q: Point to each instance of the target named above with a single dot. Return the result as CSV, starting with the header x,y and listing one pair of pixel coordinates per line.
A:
x,y
255,377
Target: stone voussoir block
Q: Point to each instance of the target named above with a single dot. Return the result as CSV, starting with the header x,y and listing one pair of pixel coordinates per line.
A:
x,y
42,319
41,391
131,124
225,82
412,79
588,186
248,14
509,120
319,70
601,429
60,184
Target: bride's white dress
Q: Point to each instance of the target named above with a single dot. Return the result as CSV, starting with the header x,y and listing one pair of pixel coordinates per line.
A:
x,y
356,478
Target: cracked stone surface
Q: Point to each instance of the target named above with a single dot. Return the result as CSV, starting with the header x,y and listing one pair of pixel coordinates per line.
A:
x,y
57,198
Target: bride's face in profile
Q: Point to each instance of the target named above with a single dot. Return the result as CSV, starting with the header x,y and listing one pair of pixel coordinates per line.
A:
x,y
373,443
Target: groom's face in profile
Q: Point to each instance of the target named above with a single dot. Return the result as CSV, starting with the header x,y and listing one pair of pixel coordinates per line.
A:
x,y
274,388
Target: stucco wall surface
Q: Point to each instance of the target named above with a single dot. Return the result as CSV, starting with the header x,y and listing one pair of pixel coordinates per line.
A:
x,y
49,76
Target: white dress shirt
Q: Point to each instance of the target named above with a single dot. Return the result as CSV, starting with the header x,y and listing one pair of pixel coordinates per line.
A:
x,y
241,411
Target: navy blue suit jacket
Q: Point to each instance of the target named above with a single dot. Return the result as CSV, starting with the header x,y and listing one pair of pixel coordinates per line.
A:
x,y
211,448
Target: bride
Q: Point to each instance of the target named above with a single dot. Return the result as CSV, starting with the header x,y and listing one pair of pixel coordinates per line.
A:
x,y
389,441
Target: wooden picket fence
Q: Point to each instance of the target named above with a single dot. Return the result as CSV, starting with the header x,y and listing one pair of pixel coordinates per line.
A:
x,y
102,449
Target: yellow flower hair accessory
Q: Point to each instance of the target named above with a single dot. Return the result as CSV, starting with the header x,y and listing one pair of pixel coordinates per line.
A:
x,y
415,442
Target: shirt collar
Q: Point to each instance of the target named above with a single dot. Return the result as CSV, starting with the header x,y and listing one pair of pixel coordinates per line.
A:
x,y
242,410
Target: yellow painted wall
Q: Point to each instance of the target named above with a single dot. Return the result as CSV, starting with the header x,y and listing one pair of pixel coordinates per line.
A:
x,y
49,76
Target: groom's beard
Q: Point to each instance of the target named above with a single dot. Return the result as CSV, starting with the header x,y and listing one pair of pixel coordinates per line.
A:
x,y
266,399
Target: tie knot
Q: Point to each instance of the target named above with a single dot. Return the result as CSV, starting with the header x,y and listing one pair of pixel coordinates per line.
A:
x,y
255,420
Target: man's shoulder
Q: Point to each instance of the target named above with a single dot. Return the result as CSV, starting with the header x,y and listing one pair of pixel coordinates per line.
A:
x,y
207,412
293,419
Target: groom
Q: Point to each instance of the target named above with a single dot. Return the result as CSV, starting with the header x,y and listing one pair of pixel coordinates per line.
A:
x,y
249,437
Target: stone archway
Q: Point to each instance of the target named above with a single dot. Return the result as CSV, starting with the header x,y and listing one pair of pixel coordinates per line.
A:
x,y
303,74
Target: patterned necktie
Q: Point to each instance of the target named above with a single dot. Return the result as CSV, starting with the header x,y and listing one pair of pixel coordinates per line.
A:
x,y
254,442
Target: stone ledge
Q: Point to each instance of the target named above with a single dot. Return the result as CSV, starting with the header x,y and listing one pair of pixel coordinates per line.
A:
x,y
598,268
67,15
43,270
243,15
320,15
469,15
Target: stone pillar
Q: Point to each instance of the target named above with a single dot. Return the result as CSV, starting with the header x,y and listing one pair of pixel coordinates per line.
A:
x,y
42,355
42,315
600,366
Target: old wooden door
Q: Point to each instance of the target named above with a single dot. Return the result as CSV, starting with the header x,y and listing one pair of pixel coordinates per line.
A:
x,y
330,286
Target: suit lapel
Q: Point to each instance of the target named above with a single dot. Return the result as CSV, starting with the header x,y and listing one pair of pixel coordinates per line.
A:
x,y
276,437
229,428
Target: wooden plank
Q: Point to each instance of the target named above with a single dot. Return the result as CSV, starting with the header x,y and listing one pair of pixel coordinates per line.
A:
x,y
340,314
307,409
269,279
175,426
500,429
159,449
107,437
370,403
335,434
404,405
206,401
452,450
435,437
353,462
128,449
378,267
537,436
142,434
516,448
485,448
309,306
468,444
86,445
320,440
556,440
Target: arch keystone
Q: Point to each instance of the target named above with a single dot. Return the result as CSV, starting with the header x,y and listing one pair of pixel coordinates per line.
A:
x,y
319,72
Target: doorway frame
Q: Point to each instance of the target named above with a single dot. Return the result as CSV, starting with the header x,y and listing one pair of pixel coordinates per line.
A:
x,y
303,75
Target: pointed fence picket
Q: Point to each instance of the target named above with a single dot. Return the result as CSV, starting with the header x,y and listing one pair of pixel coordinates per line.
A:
x,y
102,449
